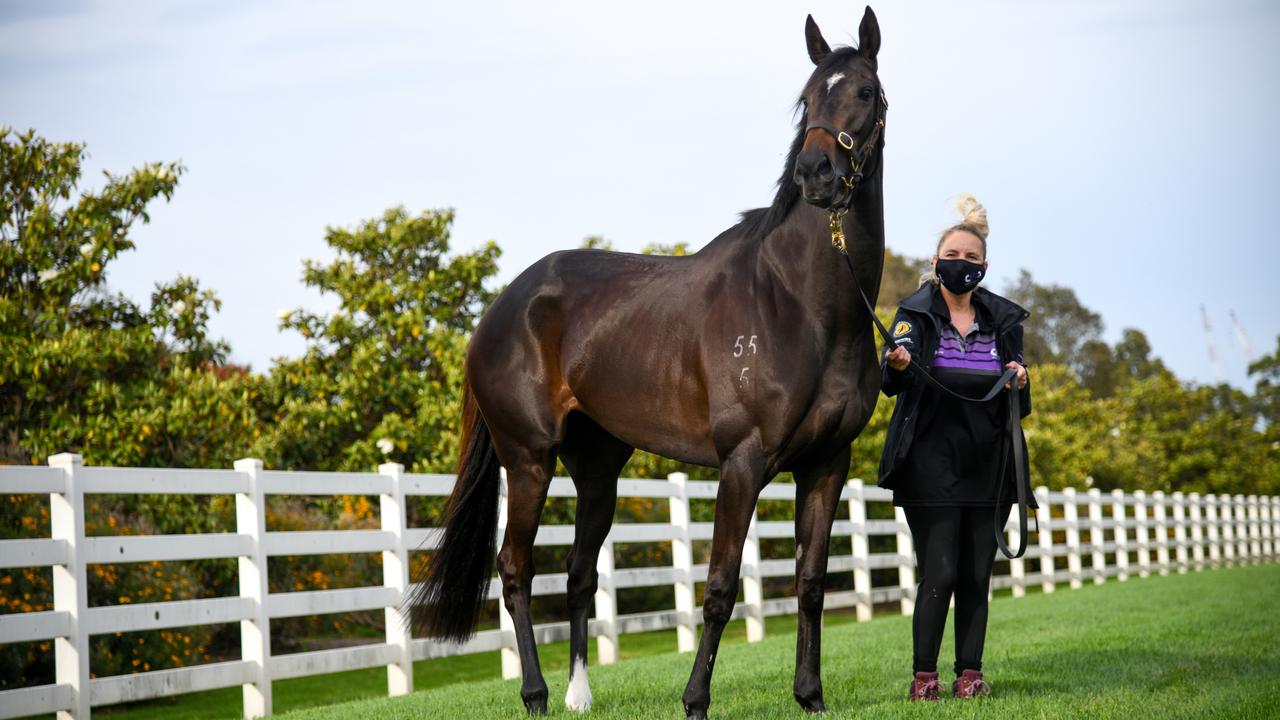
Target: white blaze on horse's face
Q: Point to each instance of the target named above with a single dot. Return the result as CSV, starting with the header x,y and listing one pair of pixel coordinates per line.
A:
x,y
835,78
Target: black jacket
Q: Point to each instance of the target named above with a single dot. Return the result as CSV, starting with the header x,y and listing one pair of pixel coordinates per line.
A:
x,y
918,329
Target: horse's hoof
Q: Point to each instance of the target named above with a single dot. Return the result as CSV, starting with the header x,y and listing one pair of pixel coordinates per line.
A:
x,y
536,705
694,714
809,695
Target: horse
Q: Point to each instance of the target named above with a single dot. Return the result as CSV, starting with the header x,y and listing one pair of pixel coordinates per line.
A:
x,y
753,355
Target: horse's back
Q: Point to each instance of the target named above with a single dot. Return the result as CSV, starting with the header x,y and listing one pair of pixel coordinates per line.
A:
x,y
613,335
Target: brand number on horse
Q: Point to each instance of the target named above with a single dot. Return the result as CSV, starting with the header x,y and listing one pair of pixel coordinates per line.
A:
x,y
738,348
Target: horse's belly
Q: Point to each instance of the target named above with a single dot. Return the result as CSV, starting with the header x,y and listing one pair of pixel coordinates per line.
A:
x,y
649,400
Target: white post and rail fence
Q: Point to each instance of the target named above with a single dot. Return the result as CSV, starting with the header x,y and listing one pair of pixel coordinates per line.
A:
x,y
1084,537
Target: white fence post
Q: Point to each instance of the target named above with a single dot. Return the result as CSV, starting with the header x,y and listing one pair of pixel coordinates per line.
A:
x,y
1071,515
1264,516
1275,525
1255,530
1143,537
1197,532
1242,529
906,563
682,563
1097,537
606,607
1017,566
752,585
70,587
395,574
1228,530
1043,517
1120,534
1180,532
509,654
1214,529
255,633
1162,532
860,547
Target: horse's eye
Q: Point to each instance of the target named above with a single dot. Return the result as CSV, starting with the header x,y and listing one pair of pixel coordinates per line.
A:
x,y
864,93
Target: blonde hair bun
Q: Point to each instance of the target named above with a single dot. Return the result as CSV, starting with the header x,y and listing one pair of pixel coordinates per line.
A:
x,y
973,215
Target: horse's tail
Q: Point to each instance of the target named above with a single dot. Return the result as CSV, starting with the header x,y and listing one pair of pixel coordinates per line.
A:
x,y
447,603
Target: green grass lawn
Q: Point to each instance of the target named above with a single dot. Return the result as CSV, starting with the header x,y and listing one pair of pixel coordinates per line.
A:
x,y
1197,645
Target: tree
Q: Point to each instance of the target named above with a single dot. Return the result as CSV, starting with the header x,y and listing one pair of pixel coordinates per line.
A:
x,y
596,242
381,377
1266,394
89,371
1133,354
1059,325
678,249
901,277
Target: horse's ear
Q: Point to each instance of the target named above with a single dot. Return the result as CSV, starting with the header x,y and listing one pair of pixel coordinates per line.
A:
x,y
818,47
869,36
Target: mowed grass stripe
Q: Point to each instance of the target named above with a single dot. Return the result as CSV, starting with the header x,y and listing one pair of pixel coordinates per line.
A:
x,y
1195,645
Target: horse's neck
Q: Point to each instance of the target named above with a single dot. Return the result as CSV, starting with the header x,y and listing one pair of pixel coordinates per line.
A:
x,y
800,251
864,237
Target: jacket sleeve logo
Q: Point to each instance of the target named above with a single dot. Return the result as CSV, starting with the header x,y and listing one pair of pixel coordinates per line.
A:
x,y
902,328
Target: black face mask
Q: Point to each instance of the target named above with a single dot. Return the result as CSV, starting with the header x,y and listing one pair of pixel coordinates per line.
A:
x,y
959,276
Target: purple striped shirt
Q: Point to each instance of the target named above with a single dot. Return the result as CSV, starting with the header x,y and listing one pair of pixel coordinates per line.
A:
x,y
976,351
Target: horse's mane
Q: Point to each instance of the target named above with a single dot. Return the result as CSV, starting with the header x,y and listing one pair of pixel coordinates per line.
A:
x,y
759,222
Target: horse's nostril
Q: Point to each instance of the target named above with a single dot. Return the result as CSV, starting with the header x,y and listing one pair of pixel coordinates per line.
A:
x,y
816,166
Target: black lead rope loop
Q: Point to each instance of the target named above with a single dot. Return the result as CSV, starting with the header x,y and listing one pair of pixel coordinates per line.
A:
x,y
1009,376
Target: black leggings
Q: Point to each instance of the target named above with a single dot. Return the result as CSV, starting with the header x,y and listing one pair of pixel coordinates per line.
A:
x,y
955,549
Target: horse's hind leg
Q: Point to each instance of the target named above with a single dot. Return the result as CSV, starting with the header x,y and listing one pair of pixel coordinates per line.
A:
x,y
817,496
528,477
594,458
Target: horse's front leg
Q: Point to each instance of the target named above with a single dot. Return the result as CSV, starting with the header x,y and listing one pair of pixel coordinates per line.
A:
x,y
741,477
817,495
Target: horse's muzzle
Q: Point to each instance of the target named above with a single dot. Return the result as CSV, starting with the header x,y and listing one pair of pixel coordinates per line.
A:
x,y
818,180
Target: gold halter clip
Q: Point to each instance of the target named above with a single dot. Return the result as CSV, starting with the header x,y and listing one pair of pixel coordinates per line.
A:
x,y
836,220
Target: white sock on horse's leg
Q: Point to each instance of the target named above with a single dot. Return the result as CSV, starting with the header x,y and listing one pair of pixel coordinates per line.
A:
x,y
578,696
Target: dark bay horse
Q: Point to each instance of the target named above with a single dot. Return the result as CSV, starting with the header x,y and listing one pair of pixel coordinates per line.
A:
x,y
754,355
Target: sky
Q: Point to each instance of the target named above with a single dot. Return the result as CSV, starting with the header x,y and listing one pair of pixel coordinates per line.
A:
x,y
1128,150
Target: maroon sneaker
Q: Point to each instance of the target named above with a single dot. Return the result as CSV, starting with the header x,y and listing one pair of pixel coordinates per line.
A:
x,y
924,686
970,684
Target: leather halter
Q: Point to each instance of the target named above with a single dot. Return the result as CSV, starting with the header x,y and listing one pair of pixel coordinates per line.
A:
x,y
858,156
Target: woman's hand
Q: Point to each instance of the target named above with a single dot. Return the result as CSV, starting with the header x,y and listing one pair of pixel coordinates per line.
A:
x,y
1022,373
899,358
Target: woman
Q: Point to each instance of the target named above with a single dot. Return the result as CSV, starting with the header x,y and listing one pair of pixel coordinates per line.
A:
x,y
942,456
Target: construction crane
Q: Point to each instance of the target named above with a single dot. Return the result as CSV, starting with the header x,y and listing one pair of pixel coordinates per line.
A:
x,y
1208,344
1241,339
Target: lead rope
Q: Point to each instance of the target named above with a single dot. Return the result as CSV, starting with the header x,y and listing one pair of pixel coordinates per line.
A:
x,y
836,220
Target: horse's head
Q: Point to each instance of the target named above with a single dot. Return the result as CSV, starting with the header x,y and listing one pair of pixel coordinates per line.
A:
x,y
843,121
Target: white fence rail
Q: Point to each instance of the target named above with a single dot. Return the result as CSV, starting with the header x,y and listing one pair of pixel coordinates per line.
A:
x,y
1083,537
